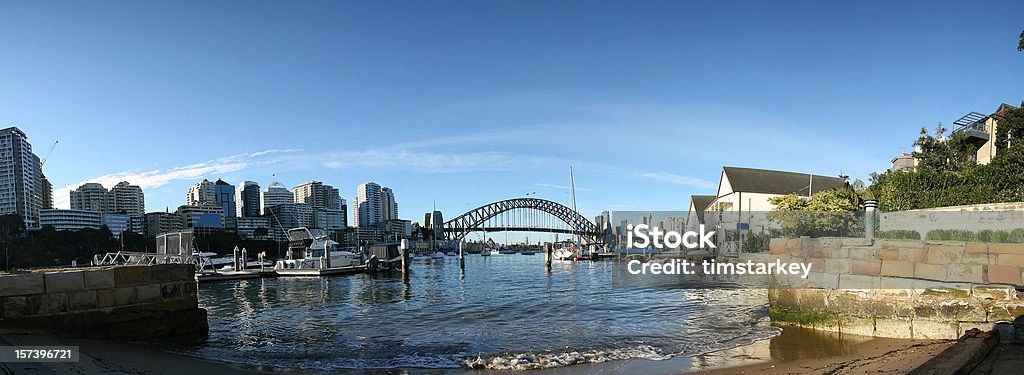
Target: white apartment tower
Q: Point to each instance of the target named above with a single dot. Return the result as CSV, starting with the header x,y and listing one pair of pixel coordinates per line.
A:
x,y
203,193
317,195
275,194
91,196
367,208
21,177
127,198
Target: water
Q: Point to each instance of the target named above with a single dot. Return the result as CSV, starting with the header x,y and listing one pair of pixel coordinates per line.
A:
x,y
505,312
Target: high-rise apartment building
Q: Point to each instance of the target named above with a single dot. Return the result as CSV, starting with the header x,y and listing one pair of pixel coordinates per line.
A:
x,y
203,193
388,205
91,196
275,194
317,195
21,177
46,194
247,199
127,198
367,208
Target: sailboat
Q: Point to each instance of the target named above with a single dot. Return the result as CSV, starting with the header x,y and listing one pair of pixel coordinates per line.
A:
x,y
569,252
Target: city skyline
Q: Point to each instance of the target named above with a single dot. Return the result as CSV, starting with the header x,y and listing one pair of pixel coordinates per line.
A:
x,y
639,114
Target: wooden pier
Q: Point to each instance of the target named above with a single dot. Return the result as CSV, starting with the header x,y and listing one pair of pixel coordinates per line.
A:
x,y
208,277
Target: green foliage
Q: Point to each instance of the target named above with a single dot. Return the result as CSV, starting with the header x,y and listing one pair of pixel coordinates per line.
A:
x,y
756,242
899,234
826,213
985,235
1010,131
951,235
945,178
939,153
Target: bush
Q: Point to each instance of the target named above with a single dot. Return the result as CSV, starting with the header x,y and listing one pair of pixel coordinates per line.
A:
x,y
899,234
756,243
950,235
985,235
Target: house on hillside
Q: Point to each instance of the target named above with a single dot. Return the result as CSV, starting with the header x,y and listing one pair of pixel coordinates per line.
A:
x,y
741,203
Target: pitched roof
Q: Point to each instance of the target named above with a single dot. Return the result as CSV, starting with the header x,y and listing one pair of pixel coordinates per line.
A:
x,y
700,203
750,180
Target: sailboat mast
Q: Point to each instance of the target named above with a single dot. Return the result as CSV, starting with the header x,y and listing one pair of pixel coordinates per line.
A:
x,y
572,195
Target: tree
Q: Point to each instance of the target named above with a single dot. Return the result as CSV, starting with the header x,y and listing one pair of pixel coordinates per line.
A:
x,y
1010,131
1020,45
826,213
941,153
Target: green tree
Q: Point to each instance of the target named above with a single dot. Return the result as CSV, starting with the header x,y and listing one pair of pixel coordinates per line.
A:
x,y
1020,45
826,213
941,152
1010,131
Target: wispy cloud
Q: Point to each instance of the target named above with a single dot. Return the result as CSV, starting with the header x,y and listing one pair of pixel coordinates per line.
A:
x,y
159,177
433,162
561,187
679,180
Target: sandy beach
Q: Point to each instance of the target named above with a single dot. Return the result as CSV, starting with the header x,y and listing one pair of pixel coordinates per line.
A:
x,y
795,351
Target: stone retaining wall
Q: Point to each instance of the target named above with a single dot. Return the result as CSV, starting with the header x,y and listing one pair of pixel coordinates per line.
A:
x,y
129,302
898,288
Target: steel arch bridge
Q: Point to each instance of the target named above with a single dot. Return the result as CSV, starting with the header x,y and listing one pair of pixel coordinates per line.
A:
x,y
482,219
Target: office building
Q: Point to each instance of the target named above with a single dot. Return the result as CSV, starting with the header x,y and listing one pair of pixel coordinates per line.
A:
x,y
248,227
163,222
205,216
70,219
275,194
247,199
225,197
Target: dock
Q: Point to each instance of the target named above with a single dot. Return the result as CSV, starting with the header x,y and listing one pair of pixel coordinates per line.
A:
x,y
208,277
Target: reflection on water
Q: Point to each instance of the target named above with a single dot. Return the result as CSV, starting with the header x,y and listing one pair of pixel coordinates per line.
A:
x,y
502,308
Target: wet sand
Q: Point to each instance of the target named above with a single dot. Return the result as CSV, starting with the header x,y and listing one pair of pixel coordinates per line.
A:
x,y
795,351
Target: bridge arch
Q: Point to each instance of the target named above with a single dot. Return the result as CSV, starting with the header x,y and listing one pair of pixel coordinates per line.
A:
x,y
475,220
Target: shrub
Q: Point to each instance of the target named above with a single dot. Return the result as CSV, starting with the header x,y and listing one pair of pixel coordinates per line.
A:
x,y
950,235
899,234
756,243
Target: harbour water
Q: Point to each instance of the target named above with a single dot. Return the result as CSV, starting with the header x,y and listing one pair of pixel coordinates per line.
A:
x,y
504,312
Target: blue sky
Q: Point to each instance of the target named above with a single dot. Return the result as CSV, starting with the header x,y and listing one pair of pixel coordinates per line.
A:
x,y
464,103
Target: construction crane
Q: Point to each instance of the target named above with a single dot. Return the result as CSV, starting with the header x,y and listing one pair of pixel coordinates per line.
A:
x,y
43,159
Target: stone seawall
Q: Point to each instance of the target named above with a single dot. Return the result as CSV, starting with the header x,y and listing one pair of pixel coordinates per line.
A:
x,y
898,288
124,302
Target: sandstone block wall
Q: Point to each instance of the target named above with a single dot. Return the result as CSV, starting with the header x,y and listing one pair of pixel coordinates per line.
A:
x,y
898,288
115,302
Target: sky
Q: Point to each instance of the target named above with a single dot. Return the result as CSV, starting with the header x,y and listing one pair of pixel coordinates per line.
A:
x,y
459,104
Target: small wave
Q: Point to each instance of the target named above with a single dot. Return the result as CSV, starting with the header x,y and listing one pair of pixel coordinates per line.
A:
x,y
532,361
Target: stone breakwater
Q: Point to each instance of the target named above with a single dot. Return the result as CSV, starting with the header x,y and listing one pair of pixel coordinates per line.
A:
x,y
123,302
898,288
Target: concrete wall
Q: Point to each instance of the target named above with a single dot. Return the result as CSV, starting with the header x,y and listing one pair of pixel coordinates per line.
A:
x,y
898,288
116,302
993,216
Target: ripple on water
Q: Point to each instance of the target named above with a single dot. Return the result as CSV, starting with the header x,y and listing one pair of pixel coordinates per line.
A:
x,y
504,313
